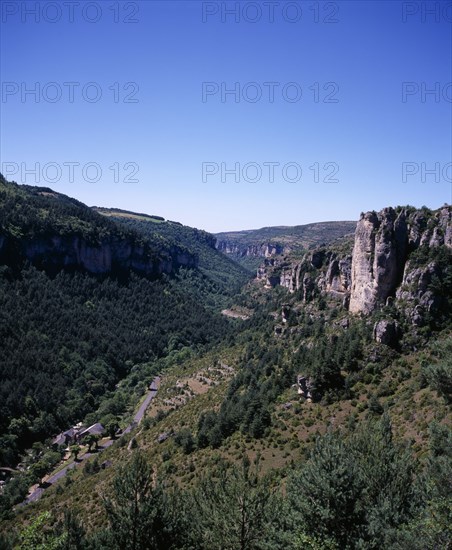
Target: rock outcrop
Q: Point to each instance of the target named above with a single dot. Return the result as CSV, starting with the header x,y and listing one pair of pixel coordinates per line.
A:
x,y
379,256
387,331
270,271
337,280
305,387
54,252
318,271
264,250
383,244
415,294
379,269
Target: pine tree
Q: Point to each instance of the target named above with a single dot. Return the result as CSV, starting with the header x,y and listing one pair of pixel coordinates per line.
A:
x,y
142,515
235,509
324,494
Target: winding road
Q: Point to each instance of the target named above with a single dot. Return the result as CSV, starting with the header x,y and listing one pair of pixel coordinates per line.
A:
x,y
140,413
37,493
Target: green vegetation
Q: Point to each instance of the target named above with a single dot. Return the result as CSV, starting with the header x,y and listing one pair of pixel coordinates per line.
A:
x,y
361,492
217,277
27,211
69,339
439,373
140,514
356,492
54,231
295,240
290,428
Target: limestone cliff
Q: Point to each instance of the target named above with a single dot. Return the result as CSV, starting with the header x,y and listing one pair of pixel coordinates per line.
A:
x,y
248,246
54,252
379,256
263,250
54,232
384,243
318,271
384,263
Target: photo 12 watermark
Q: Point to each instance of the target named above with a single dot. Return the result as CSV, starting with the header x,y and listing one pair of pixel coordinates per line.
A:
x,y
69,92
69,11
70,171
427,92
269,92
424,172
269,172
426,12
269,11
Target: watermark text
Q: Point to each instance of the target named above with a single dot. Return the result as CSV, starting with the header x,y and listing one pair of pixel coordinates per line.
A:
x,y
70,171
268,172
270,12
69,12
69,92
269,92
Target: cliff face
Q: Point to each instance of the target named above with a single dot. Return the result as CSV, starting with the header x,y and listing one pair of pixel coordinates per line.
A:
x,y
270,272
379,266
379,256
265,250
55,232
318,271
54,252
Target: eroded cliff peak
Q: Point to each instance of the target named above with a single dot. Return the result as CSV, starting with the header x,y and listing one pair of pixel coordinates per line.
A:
x,y
379,256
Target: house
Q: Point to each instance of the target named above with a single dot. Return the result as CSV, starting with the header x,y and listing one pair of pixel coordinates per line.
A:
x,y
59,440
66,438
95,429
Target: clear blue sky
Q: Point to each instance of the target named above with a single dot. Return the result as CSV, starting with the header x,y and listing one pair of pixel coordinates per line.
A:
x,y
364,49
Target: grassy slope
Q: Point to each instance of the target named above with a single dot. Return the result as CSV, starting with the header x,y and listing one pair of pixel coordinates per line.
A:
x,y
290,438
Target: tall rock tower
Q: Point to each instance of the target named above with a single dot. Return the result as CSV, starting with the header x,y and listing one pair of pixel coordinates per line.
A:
x,y
379,256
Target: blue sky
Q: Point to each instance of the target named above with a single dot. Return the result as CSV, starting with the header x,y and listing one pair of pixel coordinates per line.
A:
x,y
151,123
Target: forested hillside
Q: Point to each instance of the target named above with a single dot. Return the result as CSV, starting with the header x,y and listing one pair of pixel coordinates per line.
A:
x,y
302,425
217,277
69,335
54,232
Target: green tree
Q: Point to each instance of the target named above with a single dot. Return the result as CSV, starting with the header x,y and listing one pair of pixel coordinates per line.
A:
x,y
90,440
110,422
355,492
235,509
185,439
75,450
97,438
38,470
38,535
74,532
431,527
387,476
324,494
439,377
140,513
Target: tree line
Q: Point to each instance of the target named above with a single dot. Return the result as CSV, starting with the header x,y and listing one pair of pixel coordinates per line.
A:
x,y
68,340
365,491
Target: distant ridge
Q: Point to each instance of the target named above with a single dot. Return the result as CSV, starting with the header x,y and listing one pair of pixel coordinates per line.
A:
x,y
249,245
